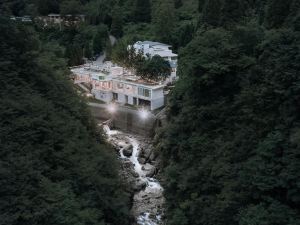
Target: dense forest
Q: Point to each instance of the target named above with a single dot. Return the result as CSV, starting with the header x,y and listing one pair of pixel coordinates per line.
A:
x,y
55,167
230,147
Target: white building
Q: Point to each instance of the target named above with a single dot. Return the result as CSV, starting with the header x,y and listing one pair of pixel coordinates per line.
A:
x,y
150,49
115,84
112,83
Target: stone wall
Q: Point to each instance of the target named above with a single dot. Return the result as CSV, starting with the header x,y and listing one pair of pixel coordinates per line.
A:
x,y
127,120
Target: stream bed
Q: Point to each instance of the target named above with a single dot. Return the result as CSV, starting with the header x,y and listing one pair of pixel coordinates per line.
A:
x,y
139,166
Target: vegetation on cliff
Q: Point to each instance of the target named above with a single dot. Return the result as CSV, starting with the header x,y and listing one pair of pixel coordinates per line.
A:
x,y
55,167
230,148
231,145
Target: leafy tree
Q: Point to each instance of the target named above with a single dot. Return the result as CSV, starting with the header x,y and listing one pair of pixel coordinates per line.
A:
x,y
55,167
277,12
142,11
230,146
100,39
155,68
177,4
88,51
74,53
72,7
47,6
201,4
164,20
212,12
117,22
233,11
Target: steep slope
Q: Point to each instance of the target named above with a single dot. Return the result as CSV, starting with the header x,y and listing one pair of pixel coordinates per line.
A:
x,y
55,167
231,146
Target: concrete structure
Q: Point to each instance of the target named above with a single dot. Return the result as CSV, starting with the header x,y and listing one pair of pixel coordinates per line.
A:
x,y
111,83
125,119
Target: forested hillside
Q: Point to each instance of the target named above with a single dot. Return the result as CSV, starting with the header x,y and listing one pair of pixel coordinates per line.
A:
x,y
230,148
231,145
55,167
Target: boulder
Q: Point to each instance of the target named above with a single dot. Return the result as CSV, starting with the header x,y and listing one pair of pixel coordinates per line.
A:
x,y
142,160
139,185
149,170
127,150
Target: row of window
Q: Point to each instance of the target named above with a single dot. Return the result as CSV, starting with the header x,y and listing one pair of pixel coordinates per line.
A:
x,y
141,91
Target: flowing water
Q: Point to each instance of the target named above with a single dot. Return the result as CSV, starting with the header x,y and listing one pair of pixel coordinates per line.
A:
x,y
150,214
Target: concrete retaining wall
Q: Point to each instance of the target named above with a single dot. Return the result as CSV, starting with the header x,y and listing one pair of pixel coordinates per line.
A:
x,y
127,120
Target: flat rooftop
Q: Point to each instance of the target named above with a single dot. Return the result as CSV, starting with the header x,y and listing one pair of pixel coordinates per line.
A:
x,y
135,80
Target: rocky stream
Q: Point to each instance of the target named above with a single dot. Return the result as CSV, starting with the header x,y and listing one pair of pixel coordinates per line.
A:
x,y
139,168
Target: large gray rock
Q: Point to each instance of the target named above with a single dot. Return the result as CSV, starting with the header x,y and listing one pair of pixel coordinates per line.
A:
x,y
149,170
127,150
142,160
139,185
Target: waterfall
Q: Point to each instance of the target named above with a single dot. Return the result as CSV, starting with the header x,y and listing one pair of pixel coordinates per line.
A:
x,y
153,187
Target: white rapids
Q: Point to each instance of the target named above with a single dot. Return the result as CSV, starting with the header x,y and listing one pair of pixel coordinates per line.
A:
x,y
152,185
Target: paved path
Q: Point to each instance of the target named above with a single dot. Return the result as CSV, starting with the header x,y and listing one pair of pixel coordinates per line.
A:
x,y
112,39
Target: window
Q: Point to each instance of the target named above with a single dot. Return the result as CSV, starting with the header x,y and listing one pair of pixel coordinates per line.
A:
x,y
144,92
115,97
147,93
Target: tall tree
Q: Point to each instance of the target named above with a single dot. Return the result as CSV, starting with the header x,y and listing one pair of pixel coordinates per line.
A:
x,y
100,39
212,12
55,167
164,19
277,12
142,11
117,22
178,4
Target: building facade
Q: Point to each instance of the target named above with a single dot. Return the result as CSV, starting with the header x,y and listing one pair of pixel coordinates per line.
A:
x,y
120,86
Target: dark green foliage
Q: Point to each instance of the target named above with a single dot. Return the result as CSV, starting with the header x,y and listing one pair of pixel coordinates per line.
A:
x,y
177,4
47,6
55,167
88,51
100,39
164,20
183,34
212,12
72,7
142,11
277,12
232,11
117,22
201,4
75,55
155,68
230,148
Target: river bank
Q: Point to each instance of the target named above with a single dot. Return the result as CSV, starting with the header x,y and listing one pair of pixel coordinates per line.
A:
x,y
139,169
